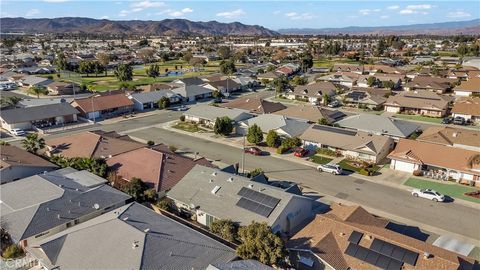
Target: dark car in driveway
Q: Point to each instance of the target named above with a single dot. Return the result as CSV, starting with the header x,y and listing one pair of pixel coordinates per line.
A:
x,y
254,151
300,152
447,120
459,121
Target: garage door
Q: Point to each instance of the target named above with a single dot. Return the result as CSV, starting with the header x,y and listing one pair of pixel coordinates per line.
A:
x,y
403,166
393,109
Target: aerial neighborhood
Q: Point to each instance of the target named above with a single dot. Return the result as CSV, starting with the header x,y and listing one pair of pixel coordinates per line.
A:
x,y
148,145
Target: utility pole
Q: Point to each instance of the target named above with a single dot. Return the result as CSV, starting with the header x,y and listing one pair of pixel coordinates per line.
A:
x,y
243,155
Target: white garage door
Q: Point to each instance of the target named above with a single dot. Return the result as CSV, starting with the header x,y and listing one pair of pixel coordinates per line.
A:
x,y
393,109
403,166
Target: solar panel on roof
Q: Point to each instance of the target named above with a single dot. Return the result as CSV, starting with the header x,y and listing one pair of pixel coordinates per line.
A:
x,y
254,207
387,249
398,253
372,257
362,253
258,197
395,252
394,265
410,257
382,262
355,237
351,250
335,130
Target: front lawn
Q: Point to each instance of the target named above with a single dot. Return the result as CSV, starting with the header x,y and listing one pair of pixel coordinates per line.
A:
x,y
419,118
190,127
320,159
348,165
452,190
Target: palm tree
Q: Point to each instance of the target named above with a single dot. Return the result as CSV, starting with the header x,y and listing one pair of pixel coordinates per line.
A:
x,y
37,90
10,101
32,143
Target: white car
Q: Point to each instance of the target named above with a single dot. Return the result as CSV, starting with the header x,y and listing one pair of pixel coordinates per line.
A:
x,y
330,168
17,132
428,194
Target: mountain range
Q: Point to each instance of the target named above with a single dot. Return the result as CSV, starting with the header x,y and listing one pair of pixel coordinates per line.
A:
x,y
471,27
173,27
183,27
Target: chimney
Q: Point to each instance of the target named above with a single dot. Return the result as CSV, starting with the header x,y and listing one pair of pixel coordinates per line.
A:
x,y
426,255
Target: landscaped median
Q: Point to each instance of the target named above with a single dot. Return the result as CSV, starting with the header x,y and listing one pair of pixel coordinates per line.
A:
x,y
453,190
362,168
186,126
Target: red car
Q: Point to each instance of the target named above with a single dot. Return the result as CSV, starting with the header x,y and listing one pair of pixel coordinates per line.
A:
x,y
300,152
254,151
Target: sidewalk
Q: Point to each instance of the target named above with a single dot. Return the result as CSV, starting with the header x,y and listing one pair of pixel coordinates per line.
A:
x,y
386,177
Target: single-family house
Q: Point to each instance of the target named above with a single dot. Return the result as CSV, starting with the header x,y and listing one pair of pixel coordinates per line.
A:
x,y
417,102
189,81
436,160
149,100
379,125
62,88
311,114
91,144
284,126
35,81
427,83
347,79
254,105
348,237
223,86
42,205
103,106
349,143
38,116
381,79
268,76
450,136
468,88
211,194
240,265
354,68
359,97
467,108
193,92
157,166
207,115
17,163
313,92
137,238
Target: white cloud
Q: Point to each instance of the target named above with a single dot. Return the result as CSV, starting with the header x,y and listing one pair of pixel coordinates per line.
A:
x,y
231,14
175,13
458,14
416,9
147,4
384,17
104,17
187,10
393,7
299,16
123,13
367,11
32,12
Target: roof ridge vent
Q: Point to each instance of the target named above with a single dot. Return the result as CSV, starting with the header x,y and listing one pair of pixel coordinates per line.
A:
x,y
230,179
146,230
125,218
250,186
214,173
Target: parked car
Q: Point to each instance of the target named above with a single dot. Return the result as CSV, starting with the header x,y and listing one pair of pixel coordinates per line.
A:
x,y
330,168
447,120
428,194
17,132
254,151
334,104
300,152
459,121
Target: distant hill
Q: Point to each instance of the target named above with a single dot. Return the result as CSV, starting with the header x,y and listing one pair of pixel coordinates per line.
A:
x,y
177,27
471,27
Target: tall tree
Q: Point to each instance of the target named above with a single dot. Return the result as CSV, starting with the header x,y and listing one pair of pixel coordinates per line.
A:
x,y
61,61
103,59
225,228
146,54
32,143
260,243
224,52
227,67
153,70
37,90
223,126
255,134
273,140
124,72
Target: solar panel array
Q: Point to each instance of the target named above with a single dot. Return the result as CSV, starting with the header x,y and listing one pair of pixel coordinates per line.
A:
x,y
256,202
335,130
356,95
355,237
394,251
372,257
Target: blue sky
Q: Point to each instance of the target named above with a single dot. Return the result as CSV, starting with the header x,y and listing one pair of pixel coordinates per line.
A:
x,y
271,14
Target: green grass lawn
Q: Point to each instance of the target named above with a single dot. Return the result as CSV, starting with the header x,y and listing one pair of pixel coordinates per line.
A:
x,y
190,127
328,63
419,118
320,159
345,165
452,189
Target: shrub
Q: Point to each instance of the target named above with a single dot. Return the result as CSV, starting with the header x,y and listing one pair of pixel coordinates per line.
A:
x,y
291,142
417,173
13,251
223,126
364,171
172,148
182,118
256,172
282,149
150,143
163,103
255,134
225,228
165,204
273,140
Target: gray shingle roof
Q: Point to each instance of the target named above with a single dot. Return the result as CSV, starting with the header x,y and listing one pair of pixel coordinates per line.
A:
x,y
153,96
240,265
191,90
380,125
108,241
211,113
38,203
268,122
20,115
